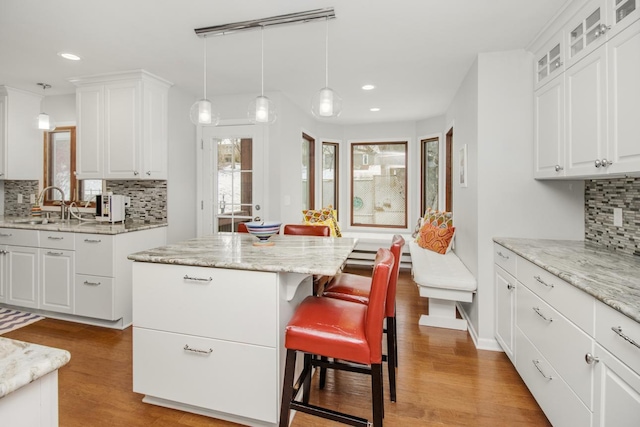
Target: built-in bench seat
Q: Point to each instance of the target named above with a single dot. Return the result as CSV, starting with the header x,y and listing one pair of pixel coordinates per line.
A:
x,y
445,280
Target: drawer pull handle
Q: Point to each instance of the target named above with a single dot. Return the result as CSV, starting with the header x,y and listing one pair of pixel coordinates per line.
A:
x,y
502,255
195,350
86,282
55,253
536,363
537,310
618,330
198,279
591,359
539,280
55,238
92,240
6,235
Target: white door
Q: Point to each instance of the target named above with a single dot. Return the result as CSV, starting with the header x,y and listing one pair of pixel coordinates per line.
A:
x,y
231,181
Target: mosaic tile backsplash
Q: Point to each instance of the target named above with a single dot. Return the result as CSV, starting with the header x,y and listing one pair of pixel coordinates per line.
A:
x,y
148,198
601,196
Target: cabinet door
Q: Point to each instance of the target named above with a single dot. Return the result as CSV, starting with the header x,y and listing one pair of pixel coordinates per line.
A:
x,y
56,279
22,276
95,254
90,132
122,129
3,136
616,392
623,56
505,315
549,129
154,147
549,61
586,116
3,273
621,14
586,31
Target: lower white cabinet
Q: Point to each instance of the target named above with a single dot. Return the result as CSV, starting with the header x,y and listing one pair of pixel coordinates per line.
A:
x,y
579,357
22,276
56,280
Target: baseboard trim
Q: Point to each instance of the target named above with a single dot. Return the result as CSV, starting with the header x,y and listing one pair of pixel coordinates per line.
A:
x,y
480,343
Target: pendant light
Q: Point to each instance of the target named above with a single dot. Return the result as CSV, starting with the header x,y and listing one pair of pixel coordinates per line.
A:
x,y
43,120
261,109
326,103
203,111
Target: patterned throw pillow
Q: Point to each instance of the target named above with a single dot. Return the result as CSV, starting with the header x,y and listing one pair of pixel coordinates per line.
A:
x,y
323,215
440,219
436,239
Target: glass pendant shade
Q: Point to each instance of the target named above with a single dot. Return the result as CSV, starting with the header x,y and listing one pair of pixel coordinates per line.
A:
x,y
203,112
326,103
261,110
45,122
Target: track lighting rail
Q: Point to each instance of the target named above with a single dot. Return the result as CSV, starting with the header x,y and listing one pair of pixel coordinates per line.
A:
x,y
290,18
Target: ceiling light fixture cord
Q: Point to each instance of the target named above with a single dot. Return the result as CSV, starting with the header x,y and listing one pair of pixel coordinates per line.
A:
x,y
205,67
326,54
262,61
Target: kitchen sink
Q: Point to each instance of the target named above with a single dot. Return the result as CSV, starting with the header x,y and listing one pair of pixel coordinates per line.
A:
x,y
35,221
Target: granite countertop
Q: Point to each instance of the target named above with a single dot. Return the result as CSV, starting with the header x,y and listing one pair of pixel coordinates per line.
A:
x,y
77,226
610,277
22,363
294,254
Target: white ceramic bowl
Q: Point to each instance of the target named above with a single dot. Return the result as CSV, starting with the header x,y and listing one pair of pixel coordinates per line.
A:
x,y
263,229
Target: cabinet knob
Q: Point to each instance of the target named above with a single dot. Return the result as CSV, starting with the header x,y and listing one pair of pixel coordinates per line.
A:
x,y
558,64
605,163
559,168
590,359
136,173
597,163
148,173
510,286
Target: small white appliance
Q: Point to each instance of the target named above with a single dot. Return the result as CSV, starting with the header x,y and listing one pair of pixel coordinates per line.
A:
x,y
110,207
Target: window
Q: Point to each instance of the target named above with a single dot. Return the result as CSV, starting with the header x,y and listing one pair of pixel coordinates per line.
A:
x,y
308,171
235,182
429,173
378,184
330,174
60,168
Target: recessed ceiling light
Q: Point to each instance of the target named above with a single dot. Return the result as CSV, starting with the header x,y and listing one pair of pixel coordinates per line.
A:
x,y
368,87
374,109
70,56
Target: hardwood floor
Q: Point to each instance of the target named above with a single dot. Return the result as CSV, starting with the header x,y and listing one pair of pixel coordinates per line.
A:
x,y
442,379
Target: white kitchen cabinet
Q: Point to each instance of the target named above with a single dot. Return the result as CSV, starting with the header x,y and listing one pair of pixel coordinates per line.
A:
x,y
3,272
586,31
586,119
23,276
505,292
549,61
623,56
549,130
122,126
57,280
20,141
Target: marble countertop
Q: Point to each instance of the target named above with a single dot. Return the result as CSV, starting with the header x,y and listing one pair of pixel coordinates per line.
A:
x,y
22,363
294,254
77,226
610,277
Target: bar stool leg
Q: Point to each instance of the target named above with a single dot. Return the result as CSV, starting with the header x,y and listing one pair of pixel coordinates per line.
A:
x,y
391,356
287,388
323,373
376,393
306,385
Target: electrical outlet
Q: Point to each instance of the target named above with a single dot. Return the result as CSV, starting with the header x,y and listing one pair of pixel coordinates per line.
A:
x,y
617,217
19,198
32,199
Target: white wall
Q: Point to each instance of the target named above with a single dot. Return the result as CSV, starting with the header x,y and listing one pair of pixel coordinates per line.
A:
x,y
502,198
181,174
61,107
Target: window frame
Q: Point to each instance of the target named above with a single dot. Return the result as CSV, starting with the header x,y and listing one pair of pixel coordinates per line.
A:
x,y
311,171
336,169
423,170
352,146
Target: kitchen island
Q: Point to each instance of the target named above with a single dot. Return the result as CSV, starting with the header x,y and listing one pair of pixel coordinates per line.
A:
x,y
209,316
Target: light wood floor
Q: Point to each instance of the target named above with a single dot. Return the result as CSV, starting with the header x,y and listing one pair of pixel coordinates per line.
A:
x,y
442,379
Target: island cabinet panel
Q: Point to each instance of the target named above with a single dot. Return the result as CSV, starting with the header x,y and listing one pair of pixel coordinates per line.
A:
x,y
208,302
208,373
619,334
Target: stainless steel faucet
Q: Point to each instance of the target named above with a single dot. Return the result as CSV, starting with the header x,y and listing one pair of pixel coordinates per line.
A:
x,y
62,205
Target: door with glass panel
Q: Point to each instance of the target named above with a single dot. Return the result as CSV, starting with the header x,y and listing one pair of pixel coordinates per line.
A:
x,y
231,177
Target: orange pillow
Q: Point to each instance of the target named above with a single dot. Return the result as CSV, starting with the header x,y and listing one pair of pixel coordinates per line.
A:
x,y
434,238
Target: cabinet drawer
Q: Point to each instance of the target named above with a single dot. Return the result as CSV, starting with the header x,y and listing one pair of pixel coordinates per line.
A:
x,y
505,258
611,329
217,303
217,375
561,406
558,340
95,254
18,237
57,240
94,297
574,304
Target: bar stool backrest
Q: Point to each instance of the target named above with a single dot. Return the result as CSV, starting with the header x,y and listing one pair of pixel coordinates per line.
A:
x,y
307,230
383,265
396,249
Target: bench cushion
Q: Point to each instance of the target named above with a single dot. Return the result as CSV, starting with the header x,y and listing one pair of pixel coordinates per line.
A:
x,y
432,269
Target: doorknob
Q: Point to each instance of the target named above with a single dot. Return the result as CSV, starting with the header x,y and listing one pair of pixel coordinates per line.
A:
x,y
257,218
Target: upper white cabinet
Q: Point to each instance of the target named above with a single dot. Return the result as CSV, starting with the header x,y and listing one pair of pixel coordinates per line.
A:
x,y
585,121
20,140
122,126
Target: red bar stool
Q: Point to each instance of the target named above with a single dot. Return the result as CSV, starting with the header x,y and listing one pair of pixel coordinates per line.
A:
x,y
307,230
242,228
340,330
356,288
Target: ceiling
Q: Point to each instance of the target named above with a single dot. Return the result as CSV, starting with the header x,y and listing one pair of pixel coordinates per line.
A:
x,y
416,52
